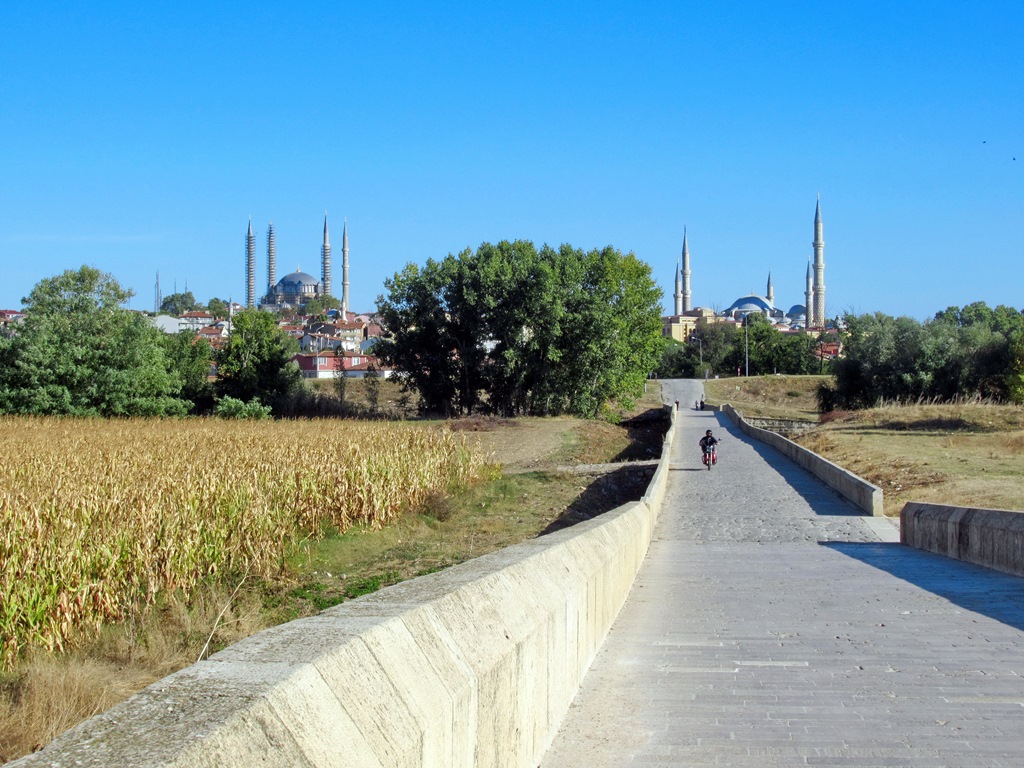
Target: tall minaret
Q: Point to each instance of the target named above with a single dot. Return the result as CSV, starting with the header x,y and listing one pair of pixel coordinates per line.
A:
x,y
687,305
678,295
771,291
819,269
250,268
158,299
808,297
271,259
325,259
344,269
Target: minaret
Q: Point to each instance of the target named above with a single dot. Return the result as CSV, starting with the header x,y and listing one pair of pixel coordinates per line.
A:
x,y
325,259
687,305
819,270
271,259
808,297
344,270
678,295
250,268
771,291
158,299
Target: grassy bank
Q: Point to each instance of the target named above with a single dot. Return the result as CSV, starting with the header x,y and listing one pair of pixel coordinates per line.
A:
x,y
768,397
967,454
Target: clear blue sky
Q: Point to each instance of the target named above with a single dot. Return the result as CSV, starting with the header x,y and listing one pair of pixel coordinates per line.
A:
x,y
138,137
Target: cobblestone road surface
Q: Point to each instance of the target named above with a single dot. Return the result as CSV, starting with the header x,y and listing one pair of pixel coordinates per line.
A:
x,y
772,625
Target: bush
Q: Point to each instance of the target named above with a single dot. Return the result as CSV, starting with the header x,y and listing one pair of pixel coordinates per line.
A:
x,y
233,408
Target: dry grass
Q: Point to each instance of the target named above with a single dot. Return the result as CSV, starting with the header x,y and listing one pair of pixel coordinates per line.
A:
x,y
967,454
768,397
48,693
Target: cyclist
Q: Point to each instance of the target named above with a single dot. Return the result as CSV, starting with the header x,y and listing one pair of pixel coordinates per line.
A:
x,y
707,446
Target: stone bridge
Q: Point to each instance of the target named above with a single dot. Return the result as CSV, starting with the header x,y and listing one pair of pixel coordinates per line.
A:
x,y
760,619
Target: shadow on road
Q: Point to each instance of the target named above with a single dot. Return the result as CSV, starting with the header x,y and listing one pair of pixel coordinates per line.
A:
x,y
999,596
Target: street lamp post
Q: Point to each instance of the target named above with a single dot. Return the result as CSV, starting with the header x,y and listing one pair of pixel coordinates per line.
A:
x,y
746,346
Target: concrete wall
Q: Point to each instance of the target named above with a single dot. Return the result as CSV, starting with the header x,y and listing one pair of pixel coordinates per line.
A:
x,y
990,537
472,666
858,490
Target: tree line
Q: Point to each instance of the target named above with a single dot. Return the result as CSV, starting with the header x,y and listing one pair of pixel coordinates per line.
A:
x,y
511,329
79,352
724,349
973,351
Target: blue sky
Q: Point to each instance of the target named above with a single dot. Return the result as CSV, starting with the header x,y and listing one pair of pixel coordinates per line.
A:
x,y
139,137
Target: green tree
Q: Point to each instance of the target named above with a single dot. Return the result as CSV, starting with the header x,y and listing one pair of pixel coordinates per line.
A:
x,y
340,384
961,352
179,303
514,330
372,381
256,361
79,352
418,342
190,358
680,360
219,308
1015,368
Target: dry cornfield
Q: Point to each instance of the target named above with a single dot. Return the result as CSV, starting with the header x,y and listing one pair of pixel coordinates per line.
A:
x,y
98,518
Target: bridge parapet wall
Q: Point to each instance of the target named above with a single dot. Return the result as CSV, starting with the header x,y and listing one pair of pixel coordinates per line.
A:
x,y
472,666
993,538
858,490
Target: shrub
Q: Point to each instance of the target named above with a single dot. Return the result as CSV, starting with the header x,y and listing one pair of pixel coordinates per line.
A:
x,y
233,408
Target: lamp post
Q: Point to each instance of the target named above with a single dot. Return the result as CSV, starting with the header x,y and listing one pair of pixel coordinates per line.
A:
x,y
746,346
700,347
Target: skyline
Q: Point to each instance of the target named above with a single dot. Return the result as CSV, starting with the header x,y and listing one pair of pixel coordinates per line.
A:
x,y
141,140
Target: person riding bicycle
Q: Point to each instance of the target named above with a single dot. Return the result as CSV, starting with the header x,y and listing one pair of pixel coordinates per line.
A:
x,y
708,443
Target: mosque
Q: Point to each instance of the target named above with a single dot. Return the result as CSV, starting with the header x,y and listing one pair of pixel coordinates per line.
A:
x,y
296,288
807,316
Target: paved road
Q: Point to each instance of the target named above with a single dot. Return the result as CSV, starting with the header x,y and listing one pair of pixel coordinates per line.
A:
x,y
772,625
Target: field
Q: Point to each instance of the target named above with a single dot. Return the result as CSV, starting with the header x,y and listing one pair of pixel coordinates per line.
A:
x,y
967,453
251,474
768,397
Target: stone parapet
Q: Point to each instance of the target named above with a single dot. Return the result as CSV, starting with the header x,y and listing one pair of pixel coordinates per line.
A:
x,y
993,538
859,491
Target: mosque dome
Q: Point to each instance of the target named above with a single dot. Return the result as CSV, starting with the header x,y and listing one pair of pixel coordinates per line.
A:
x,y
751,303
797,311
298,285
298,280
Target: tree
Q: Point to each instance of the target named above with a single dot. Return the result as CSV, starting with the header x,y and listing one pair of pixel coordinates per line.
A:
x,y
1015,369
340,385
372,381
219,308
513,330
717,346
190,358
79,352
960,353
256,361
179,303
